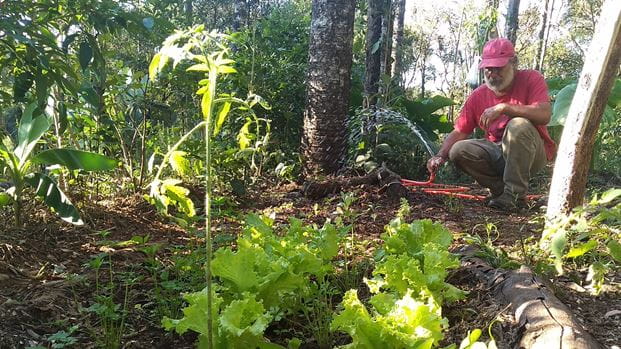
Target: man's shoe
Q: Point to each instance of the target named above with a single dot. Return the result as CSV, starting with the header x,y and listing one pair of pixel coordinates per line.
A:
x,y
508,202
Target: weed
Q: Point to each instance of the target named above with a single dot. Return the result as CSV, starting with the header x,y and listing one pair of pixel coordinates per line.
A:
x,y
63,339
111,315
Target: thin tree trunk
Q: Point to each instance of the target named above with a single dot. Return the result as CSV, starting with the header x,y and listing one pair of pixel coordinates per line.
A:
x,y
188,10
511,26
585,113
547,35
423,73
388,26
373,52
328,83
397,69
544,24
239,7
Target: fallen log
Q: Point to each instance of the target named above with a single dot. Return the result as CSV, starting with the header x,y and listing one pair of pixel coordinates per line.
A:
x,y
543,320
389,182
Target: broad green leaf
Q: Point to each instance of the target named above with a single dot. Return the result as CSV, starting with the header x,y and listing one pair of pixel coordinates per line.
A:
x,y
224,112
614,248
179,163
243,137
245,317
597,273
609,196
42,87
31,128
53,197
179,195
237,268
206,105
199,67
259,224
75,159
90,96
195,314
562,104
225,69
154,66
581,249
85,54
5,199
557,245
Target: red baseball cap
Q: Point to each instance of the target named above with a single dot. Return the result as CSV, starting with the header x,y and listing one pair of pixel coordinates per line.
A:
x,y
497,53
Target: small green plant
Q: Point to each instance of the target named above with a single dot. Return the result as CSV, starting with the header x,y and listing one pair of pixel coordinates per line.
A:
x,y
589,235
19,163
111,315
63,339
472,341
494,255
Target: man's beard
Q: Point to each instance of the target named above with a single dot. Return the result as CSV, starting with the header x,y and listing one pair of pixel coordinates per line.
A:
x,y
499,85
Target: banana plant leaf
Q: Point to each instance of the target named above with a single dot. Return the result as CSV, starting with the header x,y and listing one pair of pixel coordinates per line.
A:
x,y
75,159
565,97
31,128
53,197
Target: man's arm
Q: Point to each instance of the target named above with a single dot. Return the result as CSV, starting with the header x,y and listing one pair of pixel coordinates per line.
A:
x,y
443,154
538,114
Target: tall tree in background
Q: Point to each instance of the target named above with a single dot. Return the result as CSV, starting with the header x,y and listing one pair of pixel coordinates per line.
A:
x,y
373,51
544,32
397,68
328,84
511,26
240,14
388,24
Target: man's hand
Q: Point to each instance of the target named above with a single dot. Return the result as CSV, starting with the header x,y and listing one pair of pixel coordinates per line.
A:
x,y
434,163
490,114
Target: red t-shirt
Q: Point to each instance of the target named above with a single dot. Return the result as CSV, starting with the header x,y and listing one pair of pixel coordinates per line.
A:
x,y
528,88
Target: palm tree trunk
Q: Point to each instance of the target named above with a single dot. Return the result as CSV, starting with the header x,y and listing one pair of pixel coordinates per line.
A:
x,y
328,84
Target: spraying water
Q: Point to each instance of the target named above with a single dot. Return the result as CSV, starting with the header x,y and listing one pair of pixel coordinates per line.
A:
x,y
369,119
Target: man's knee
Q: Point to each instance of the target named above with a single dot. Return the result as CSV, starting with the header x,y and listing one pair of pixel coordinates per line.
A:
x,y
518,127
458,150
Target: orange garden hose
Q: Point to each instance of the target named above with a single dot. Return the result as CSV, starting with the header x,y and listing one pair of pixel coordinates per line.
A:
x,y
429,187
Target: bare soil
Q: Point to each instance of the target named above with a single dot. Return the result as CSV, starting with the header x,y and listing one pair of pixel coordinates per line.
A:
x,y
46,281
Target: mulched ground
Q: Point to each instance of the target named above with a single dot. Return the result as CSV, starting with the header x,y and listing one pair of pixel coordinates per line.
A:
x,y
40,293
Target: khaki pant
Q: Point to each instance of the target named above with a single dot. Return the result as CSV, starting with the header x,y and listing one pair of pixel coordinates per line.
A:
x,y
504,167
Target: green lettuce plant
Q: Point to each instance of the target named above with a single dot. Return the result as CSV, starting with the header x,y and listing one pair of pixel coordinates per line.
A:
x,y
18,163
408,290
265,278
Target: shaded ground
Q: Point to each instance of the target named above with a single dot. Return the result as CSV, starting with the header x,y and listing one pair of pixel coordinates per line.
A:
x,y
48,280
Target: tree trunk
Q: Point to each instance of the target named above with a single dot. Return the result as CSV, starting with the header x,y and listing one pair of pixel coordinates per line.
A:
x,y
423,74
373,52
511,26
239,7
188,10
543,320
397,69
388,27
328,85
544,24
542,56
585,113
